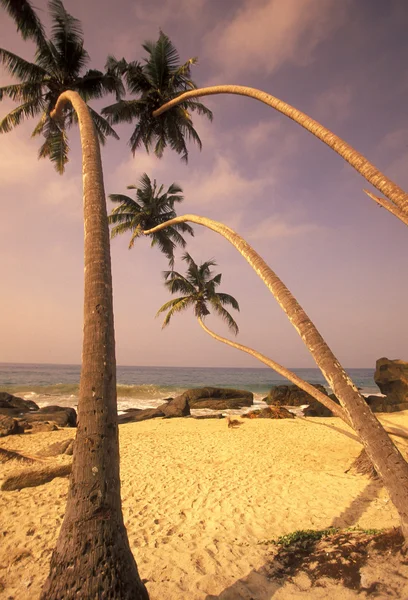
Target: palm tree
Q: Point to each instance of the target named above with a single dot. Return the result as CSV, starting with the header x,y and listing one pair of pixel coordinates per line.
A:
x,y
159,79
397,202
59,66
199,289
384,455
152,207
92,557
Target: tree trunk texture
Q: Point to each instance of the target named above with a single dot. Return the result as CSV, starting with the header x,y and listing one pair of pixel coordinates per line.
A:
x,y
92,558
397,197
385,456
303,385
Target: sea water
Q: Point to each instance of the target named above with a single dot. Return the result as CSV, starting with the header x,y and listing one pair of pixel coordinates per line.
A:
x,y
147,387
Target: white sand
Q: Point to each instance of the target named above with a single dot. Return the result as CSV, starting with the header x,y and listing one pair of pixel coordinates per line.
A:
x,y
200,501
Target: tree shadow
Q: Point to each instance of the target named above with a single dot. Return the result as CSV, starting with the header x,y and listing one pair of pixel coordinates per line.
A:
x,y
346,557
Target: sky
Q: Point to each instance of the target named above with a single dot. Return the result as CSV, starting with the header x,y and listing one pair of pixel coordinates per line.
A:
x,y
293,199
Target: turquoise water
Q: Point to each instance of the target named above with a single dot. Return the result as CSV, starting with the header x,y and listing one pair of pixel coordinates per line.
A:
x,y
143,387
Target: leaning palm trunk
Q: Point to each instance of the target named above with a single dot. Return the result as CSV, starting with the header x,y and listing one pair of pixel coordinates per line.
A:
x,y
386,458
398,198
92,558
303,385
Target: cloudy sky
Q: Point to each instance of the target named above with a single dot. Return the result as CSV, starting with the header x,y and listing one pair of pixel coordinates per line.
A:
x,y
299,204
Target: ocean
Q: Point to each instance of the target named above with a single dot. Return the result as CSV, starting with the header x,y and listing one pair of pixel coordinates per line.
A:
x,y
147,387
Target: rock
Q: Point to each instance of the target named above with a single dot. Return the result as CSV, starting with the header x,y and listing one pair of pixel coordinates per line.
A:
x,y
9,401
135,415
10,412
291,395
271,412
317,409
63,416
176,407
64,447
217,398
10,426
391,376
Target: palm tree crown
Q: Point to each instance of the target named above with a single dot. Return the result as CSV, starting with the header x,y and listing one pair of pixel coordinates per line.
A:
x,y
58,67
198,287
152,207
160,79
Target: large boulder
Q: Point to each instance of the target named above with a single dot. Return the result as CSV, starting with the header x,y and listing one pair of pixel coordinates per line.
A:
x,y
9,426
63,416
134,415
176,407
291,395
391,376
8,401
217,398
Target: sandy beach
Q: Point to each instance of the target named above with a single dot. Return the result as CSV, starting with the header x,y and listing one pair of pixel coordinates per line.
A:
x,y
201,502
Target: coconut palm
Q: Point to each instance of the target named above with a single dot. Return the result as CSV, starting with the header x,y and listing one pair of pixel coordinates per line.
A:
x,y
152,207
92,557
384,455
397,202
58,66
159,79
199,289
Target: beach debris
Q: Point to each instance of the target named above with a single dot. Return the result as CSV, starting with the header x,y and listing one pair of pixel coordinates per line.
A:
x,y
33,478
6,455
233,422
271,412
362,465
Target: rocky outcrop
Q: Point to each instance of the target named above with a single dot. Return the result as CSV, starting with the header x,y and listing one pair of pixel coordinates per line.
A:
x,y
10,426
217,398
291,395
391,376
176,407
8,402
134,415
63,416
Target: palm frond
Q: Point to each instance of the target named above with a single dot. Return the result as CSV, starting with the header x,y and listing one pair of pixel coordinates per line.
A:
x,y
55,146
174,306
22,92
28,24
24,111
224,314
20,68
227,300
123,111
102,126
67,38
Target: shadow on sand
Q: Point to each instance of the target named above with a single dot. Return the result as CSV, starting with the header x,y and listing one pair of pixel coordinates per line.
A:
x,y
348,553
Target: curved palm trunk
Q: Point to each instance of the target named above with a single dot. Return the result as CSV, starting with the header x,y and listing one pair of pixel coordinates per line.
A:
x,y
303,385
398,197
92,558
386,458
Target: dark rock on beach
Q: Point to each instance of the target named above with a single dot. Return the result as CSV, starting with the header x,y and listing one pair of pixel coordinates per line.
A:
x,y
61,415
291,395
176,407
217,398
134,415
8,401
391,376
10,426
